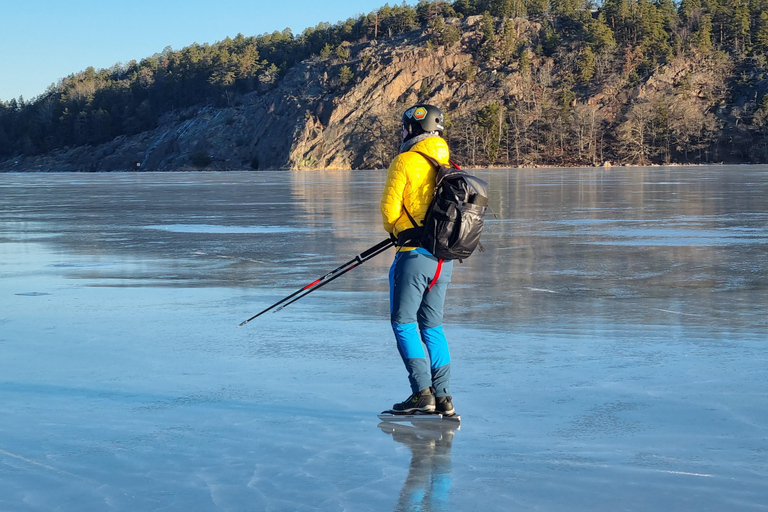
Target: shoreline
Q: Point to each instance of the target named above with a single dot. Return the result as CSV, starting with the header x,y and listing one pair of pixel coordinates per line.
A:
x,y
330,169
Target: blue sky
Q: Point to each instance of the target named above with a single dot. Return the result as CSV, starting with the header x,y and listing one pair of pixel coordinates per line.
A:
x,y
42,41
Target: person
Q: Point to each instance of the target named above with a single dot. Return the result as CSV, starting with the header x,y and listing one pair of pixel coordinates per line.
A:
x,y
418,281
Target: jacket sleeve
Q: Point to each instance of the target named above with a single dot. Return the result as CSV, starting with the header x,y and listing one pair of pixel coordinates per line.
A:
x,y
392,198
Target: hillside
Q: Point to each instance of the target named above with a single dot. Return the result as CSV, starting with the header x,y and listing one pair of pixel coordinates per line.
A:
x,y
572,87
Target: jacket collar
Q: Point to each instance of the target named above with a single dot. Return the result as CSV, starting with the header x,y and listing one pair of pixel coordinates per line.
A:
x,y
408,144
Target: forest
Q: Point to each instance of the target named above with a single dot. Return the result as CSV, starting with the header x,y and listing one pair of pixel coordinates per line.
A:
x,y
583,58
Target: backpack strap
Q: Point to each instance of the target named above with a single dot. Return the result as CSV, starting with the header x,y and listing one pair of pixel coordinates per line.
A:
x,y
442,170
410,217
431,160
410,237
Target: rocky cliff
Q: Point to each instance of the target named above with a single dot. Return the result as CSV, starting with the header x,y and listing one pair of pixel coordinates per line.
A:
x,y
343,113
309,119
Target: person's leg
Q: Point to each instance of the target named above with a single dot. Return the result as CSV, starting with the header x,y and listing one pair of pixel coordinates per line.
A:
x,y
409,277
430,320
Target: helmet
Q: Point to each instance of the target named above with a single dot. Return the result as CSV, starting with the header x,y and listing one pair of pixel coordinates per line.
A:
x,y
423,118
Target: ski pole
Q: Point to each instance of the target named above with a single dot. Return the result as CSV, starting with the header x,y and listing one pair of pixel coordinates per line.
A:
x,y
333,277
330,276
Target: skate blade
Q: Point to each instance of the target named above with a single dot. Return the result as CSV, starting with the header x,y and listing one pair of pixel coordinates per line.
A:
x,y
418,416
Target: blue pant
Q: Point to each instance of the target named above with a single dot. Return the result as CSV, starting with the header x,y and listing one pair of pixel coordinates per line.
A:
x,y
416,312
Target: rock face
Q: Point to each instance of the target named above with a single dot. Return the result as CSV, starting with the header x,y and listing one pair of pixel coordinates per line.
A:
x,y
307,120
350,130
334,114
259,133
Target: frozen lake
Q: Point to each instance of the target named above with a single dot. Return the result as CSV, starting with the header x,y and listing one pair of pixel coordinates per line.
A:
x,y
610,346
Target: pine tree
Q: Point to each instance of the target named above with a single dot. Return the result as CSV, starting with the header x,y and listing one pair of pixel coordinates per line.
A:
x,y
490,119
325,53
688,8
655,40
537,8
622,17
597,33
764,104
740,27
761,34
465,7
342,53
502,8
702,39
525,64
508,41
345,75
487,26
567,8
517,8
586,64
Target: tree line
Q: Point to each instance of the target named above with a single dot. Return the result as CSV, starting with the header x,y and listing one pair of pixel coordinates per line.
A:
x,y
580,50
94,106
633,81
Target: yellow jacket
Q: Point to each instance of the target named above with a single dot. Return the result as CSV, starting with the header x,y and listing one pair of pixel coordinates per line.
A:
x,y
411,183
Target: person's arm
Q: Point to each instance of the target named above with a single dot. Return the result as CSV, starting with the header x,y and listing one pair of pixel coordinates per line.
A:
x,y
392,197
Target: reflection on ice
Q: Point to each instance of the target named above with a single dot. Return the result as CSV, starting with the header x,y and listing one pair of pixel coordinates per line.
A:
x,y
428,484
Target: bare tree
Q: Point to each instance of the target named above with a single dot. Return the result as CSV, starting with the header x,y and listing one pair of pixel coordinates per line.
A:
x,y
635,133
381,140
692,128
465,140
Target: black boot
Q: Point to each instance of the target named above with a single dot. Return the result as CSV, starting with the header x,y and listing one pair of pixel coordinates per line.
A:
x,y
444,406
423,401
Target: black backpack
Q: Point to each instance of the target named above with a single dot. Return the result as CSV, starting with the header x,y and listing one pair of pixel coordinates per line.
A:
x,y
454,219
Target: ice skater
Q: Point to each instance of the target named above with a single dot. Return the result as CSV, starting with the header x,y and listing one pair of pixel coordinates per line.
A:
x,y
418,281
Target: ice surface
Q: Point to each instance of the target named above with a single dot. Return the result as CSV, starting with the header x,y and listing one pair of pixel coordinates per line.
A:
x,y
609,346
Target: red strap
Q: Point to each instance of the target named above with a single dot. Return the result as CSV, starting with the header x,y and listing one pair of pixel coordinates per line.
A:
x,y
437,274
